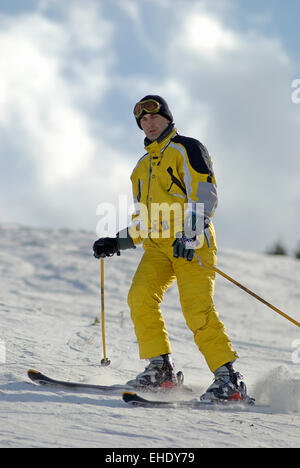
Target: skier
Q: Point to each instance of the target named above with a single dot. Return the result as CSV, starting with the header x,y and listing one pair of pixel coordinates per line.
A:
x,y
175,171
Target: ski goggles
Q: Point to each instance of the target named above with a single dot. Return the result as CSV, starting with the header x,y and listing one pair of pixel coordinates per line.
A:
x,y
150,106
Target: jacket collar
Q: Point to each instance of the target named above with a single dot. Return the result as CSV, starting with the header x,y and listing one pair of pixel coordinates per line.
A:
x,y
158,145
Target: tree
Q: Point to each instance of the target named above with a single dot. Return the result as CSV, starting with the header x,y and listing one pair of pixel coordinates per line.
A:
x,y
297,251
277,249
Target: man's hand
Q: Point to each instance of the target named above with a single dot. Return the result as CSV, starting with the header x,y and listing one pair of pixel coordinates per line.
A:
x,y
184,247
106,247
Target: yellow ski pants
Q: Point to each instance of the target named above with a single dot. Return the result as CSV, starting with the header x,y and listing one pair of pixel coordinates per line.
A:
x,y
155,274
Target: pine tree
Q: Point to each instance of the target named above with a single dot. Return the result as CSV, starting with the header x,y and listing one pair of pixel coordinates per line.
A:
x,y
277,249
297,251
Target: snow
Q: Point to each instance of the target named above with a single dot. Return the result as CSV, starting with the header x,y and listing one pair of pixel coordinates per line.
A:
x,y
49,298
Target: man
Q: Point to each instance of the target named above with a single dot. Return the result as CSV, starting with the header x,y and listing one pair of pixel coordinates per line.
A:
x,y
175,172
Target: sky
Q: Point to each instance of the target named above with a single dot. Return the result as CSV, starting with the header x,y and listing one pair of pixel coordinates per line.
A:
x,y
72,71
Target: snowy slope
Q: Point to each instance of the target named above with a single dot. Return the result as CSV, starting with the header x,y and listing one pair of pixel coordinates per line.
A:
x,y
49,297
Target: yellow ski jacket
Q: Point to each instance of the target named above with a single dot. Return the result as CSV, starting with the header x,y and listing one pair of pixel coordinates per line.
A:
x,y
173,187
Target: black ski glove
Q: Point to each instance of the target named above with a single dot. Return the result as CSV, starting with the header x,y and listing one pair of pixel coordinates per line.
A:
x,y
184,247
106,247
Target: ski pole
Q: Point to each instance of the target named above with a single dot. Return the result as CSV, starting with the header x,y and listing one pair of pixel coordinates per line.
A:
x,y
212,267
104,361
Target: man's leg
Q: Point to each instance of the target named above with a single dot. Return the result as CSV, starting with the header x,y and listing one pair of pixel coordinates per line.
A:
x,y
196,289
153,277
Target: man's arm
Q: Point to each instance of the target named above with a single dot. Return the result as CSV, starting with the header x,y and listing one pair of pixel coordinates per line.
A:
x,y
200,183
201,191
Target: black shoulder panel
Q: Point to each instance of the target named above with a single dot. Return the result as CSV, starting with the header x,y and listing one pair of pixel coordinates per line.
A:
x,y
197,153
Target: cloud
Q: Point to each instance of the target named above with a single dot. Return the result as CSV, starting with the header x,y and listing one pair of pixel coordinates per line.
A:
x,y
238,83
231,88
38,100
68,83
52,74
204,34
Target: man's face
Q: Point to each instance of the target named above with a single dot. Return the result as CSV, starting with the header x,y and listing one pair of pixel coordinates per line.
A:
x,y
153,125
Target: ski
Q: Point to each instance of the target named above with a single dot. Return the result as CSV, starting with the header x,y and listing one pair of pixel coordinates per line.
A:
x,y
43,380
133,399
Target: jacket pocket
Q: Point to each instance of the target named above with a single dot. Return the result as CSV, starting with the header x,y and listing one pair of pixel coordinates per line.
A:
x,y
175,182
139,194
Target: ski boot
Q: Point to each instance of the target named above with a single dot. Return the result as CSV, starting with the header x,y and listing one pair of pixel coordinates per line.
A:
x,y
227,386
159,373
